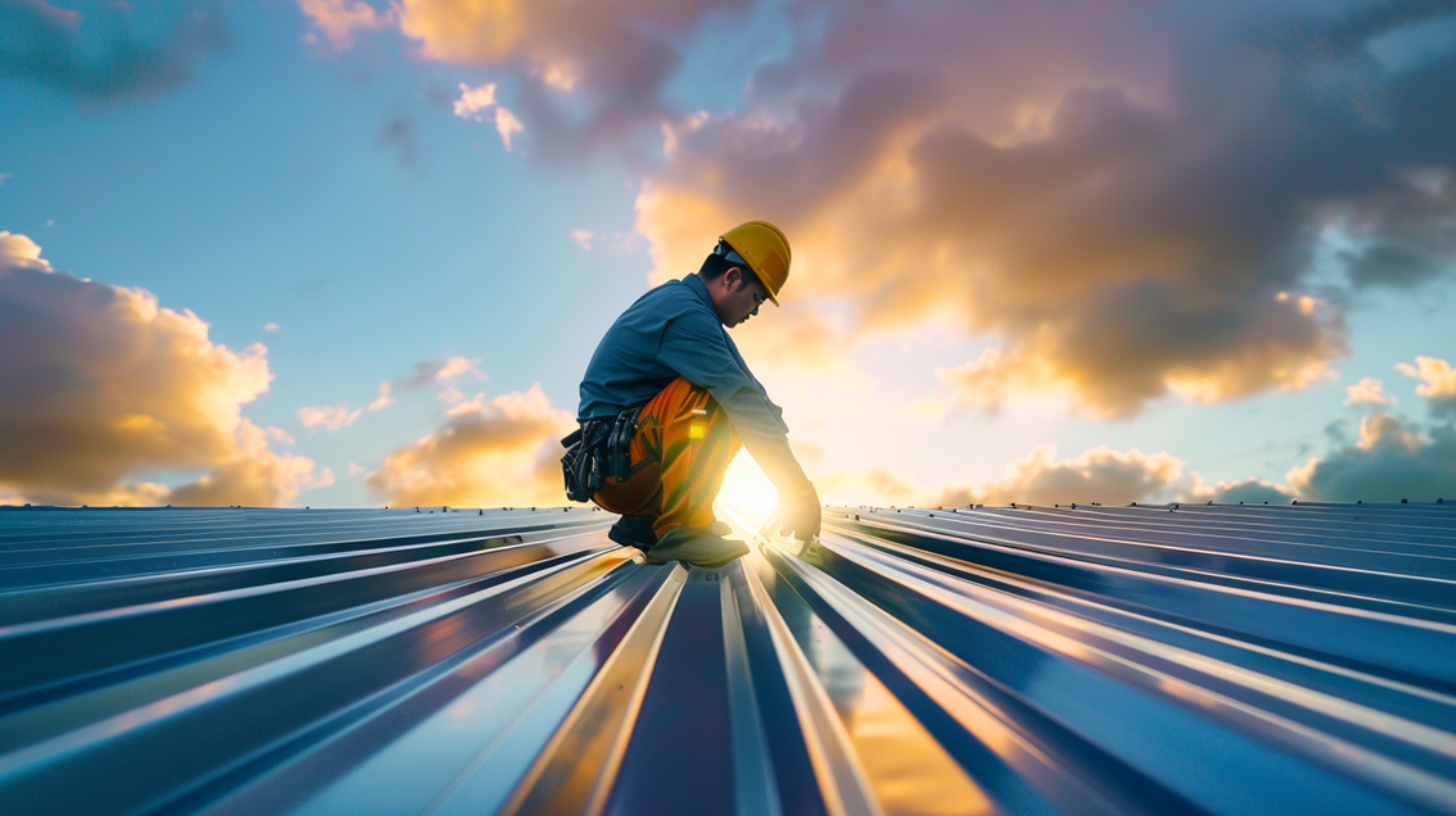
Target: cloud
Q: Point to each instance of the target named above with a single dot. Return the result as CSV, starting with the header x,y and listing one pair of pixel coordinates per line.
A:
x,y
583,238
1439,386
99,384
337,20
330,417
478,104
1057,244
590,74
439,371
253,477
475,103
1100,475
4,177
271,328
1133,208
129,494
504,451
1391,461
1370,21
878,486
1367,392
1126,201
454,367
48,45
19,252
384,400
506,123
428,373
984,383
338,417
1248,491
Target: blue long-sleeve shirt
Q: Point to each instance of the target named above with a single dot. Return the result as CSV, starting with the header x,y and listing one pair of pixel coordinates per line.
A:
x,y
673,331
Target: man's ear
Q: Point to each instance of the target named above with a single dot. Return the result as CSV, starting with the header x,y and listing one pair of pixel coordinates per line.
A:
x,y
734,279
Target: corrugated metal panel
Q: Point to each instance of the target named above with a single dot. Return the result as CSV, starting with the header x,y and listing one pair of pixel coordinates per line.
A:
x,y
1097,660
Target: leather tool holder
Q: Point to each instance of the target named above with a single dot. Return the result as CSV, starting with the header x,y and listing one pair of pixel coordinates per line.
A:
x,y
598,450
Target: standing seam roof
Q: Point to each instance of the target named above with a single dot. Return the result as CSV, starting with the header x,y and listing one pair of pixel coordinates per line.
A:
x,y
1096,660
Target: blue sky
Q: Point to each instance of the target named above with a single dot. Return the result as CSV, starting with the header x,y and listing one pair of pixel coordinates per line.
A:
x,y
273,174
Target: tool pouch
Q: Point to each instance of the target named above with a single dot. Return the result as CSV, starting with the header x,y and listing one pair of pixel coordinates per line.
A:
x,y
598,450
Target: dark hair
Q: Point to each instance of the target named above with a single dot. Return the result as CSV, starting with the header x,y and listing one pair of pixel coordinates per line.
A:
x,y
716,265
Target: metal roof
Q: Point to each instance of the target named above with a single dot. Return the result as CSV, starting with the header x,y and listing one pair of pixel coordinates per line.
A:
x,y
1096,660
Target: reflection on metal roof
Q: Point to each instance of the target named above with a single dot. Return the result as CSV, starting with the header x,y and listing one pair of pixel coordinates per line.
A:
x,y
1097,660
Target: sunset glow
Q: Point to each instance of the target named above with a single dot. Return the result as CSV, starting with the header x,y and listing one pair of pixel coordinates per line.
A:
x,y
747,492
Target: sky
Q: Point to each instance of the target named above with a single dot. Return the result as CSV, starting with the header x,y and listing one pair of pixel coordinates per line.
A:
x,y
350,253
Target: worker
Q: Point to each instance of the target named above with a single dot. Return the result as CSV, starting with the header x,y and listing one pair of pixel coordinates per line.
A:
x,y
667,401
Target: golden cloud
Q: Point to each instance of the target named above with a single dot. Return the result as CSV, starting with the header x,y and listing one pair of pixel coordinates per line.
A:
x,y
252,476
1100,475
1128,210
465,30
1438,383
1063,245
1132,209
503,451
99,383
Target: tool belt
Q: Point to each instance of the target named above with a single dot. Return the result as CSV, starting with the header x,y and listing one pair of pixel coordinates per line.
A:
x,y
600,449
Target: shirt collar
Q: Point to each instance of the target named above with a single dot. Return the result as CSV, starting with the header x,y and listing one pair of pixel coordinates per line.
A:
x,y
699,288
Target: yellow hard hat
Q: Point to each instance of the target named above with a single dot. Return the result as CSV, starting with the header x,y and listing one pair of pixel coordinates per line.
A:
x,y
765,249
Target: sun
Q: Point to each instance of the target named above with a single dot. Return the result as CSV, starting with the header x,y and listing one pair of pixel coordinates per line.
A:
x,y
746,492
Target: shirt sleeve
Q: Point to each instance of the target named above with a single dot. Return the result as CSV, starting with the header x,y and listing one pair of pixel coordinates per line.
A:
x,y
695,346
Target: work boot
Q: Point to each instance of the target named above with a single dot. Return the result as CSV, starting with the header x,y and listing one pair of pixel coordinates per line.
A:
x,y
634,531
699,546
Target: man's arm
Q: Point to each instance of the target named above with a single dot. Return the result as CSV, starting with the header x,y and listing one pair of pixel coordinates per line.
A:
x,y
695,347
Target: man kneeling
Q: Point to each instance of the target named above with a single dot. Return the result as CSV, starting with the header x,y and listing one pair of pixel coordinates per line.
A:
x,y
672,401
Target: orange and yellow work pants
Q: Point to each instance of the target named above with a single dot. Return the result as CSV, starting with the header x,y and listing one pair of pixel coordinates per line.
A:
x,y
683,445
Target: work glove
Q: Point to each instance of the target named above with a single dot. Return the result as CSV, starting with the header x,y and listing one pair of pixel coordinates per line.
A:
x,y
797,514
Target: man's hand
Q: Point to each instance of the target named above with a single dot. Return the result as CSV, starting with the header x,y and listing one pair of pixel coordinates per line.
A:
x,y
797,515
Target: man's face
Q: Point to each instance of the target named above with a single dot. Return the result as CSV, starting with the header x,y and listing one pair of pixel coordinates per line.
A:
x,y
738,297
